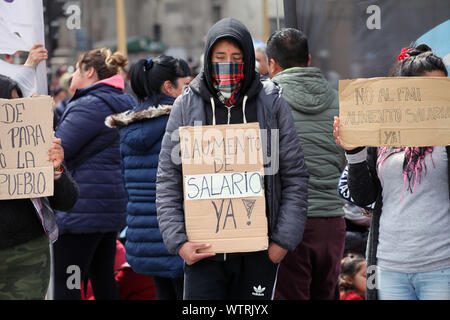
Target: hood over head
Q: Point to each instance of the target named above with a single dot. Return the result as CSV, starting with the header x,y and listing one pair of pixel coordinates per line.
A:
x,y
230,28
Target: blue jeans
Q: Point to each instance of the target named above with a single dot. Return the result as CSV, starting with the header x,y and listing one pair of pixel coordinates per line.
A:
x,y
434,285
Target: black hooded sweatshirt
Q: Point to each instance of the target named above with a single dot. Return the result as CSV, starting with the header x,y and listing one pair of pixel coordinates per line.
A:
x,y
251,85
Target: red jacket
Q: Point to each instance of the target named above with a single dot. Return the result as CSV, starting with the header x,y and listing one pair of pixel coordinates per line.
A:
x,y
350,296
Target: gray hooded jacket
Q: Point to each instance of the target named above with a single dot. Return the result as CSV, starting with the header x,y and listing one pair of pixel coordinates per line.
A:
x,y
286,176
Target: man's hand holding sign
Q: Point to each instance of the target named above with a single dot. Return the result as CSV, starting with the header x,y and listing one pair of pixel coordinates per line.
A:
x,y
224,191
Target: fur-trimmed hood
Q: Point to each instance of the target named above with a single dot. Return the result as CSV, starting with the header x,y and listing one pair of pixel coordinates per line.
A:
x,y
125,118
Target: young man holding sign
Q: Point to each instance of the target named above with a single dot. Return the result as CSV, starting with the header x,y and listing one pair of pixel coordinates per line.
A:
x,y
229,92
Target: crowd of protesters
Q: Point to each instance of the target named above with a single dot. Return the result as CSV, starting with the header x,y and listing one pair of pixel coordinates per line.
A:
x,y
118,207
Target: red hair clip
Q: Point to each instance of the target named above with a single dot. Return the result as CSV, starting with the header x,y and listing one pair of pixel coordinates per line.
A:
x,y
403,54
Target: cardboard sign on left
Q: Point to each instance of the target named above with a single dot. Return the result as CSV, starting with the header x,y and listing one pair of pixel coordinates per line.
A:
x,y
26,133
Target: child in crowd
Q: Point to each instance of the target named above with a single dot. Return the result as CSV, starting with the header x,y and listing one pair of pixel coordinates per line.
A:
x,y
352,280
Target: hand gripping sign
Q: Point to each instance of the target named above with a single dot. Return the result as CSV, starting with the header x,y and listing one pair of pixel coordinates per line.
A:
x,y
224,198
403,111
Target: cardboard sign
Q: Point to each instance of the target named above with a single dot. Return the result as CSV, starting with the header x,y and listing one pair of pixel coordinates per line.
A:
x,y
26,133
404,111
224,199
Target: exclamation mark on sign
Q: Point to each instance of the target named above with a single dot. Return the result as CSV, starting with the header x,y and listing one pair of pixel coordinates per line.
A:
x,y
249,205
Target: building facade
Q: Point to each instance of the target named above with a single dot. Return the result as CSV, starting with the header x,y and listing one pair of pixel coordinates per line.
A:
x,y
181,25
